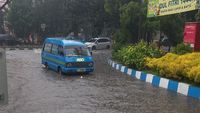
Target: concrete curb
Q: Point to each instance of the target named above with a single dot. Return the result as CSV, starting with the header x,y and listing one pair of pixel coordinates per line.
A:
x,y
158,81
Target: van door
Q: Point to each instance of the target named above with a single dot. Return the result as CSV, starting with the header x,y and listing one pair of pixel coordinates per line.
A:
x,y
54,57
58,57
61,56
46,53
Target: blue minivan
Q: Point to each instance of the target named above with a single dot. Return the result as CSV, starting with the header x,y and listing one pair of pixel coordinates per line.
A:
x,y
66,56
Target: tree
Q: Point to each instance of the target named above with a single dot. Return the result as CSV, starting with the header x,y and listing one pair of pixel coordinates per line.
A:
x,y
172,26
133,23
129,18
1,22
20,17
61,17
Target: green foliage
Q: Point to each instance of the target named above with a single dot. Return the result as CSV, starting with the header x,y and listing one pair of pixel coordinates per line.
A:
x,y
131,16
1,22
117,46
61,17
124,18
197,16
134,55
182,49
134,25
129,19
172,26
20,17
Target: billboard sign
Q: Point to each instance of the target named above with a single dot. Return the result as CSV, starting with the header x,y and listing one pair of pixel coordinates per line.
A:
x,y
167,7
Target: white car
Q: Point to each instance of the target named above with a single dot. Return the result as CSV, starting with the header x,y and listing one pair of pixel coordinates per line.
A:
x,y
99,43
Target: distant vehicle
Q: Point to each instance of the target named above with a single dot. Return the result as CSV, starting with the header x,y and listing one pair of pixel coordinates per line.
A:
x,y
99,43
165,44
8,40
66,56
75,38
70,38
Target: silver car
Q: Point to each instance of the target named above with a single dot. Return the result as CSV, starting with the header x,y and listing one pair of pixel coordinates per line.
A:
x,y
99,43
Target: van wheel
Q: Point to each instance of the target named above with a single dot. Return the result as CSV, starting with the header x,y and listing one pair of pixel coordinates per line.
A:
x,y
86,73
60,71
108,47
46,66
94,48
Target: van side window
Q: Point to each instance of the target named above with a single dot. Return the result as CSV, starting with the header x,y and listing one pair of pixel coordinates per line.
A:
x,y
60,51
47,47
54,49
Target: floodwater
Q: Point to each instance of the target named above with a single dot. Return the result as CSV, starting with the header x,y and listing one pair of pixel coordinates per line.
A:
x,y
33,89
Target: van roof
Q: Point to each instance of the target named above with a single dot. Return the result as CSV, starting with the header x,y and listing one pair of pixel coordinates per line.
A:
x,y
64,42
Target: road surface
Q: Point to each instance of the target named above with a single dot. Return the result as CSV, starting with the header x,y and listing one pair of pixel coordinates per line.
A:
x,y
33,89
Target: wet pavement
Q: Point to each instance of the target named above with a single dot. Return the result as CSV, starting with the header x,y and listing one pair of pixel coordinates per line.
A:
x,y
33,89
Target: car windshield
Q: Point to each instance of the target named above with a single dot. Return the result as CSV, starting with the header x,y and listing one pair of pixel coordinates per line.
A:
x,y
69,38
77,51
92,40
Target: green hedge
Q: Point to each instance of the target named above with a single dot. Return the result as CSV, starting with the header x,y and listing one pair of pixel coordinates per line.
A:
x,y
134,55
181,49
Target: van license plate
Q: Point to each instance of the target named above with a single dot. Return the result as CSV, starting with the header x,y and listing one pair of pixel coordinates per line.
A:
x,y
80,70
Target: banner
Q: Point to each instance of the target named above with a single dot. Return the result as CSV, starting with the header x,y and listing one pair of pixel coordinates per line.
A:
x,y
167,7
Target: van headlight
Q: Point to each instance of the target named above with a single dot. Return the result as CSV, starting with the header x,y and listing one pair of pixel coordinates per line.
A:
x,y
90,64
69,64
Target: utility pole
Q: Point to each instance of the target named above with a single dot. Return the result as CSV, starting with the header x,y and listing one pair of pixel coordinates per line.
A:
x,y
3,78
3,71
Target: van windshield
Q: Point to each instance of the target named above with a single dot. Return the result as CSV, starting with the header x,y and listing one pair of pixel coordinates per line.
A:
x,y
76,51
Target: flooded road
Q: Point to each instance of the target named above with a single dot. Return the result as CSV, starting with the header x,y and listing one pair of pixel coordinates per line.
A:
x,y
33,89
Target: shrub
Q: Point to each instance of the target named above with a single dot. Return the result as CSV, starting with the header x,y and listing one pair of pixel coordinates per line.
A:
x,y
164,65
182,49
177,66
117,46
134,55
194,74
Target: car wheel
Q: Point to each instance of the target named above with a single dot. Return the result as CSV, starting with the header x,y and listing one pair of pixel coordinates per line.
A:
x,y
60,73
59,70
94,48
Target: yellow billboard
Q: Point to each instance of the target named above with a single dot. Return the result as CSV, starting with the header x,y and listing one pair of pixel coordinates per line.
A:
x,y
167,7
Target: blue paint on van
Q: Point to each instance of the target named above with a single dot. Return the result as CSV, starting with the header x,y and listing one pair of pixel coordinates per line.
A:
x,y
67,56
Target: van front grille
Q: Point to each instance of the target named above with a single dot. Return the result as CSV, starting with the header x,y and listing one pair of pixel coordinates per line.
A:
x,y
79,64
